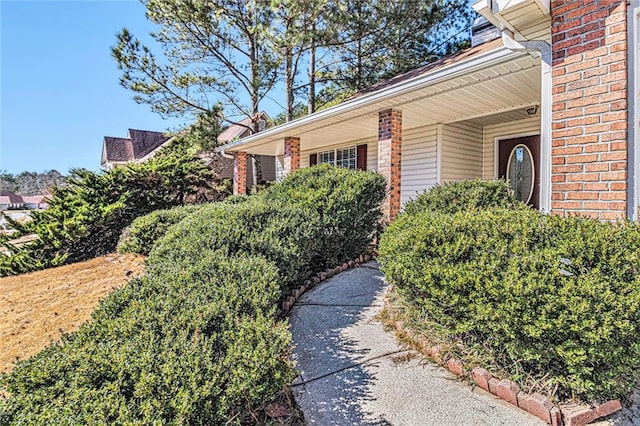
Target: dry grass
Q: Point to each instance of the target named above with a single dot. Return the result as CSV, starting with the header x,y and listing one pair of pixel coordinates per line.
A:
x,y
36,308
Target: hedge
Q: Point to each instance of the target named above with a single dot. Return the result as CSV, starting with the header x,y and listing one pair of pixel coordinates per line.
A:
x,y
85,218
199,339
143,232
542,294
192,346
344,204
318,217
468,194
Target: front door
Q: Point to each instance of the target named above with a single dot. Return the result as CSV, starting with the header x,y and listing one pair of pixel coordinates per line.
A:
x,y
519,165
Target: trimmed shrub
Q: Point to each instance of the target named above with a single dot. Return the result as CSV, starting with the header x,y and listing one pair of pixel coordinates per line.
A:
x,y
287,239
345,204
317,217
543,294
198,339
465,195
143,232
197,344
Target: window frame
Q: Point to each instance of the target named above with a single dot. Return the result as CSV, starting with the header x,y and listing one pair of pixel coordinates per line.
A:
x,y
334,154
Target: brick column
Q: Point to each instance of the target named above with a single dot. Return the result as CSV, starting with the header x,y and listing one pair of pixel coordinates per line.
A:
x,y
589,125
291,154
240,172
389,158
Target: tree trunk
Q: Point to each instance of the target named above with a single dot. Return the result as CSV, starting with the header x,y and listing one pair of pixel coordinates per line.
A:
x,y
255,107
311,103
289,83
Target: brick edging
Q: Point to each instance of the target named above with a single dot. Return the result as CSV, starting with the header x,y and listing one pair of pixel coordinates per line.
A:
x,y
296,293
507,390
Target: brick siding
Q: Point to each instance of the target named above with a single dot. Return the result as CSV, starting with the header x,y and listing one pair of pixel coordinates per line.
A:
x,y
291,154
589,125
389,158
240,173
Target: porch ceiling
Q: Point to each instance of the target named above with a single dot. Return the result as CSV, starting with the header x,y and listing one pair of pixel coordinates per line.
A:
x,y
508,85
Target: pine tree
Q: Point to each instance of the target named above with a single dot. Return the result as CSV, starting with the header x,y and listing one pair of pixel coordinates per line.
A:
x,y
214,53
225,52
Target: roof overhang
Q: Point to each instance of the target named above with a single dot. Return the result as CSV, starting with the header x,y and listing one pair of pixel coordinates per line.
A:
x,y
527,19
491,82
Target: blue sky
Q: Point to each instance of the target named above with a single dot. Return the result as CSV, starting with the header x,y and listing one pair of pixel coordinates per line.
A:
x,y
60,91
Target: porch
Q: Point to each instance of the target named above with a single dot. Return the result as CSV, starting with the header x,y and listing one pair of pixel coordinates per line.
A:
x,y
440,123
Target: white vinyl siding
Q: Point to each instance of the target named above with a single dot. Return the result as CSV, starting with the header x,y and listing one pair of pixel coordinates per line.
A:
x,y
461,155
280,168
527,126
372,152
419,161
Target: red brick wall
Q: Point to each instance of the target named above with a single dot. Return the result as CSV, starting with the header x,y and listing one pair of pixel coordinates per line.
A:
x,y
389,158
240,173
291,154
589,127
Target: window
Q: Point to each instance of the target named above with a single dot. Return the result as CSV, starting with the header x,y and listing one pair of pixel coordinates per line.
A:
x,y
327,157
341,157
346,157
521,173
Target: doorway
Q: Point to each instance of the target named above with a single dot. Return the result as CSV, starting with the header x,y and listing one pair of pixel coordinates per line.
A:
x,y
519,165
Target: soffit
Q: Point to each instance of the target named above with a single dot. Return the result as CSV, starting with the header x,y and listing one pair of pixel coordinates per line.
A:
x,y
527,19
507,86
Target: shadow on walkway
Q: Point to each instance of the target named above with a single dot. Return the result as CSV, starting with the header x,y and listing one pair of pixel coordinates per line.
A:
x,y
331,373
352,372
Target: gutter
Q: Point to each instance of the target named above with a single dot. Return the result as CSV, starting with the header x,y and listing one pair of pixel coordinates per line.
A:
x,y
442,74
546,101
633,115
487,8
224,154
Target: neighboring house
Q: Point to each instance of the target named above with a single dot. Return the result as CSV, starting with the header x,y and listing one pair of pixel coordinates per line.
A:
x,y
552,105
11,201
138,146
267,163
35,202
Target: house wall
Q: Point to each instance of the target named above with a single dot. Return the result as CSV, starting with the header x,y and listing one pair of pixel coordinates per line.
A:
x,y
461,156
268,164
490,133
419,161
225,166
589,123
279,162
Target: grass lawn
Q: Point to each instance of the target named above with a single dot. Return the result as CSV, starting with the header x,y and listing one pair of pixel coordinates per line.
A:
x,y
36,308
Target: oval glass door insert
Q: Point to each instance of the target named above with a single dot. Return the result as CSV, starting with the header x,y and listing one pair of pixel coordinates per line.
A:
x,y
521,173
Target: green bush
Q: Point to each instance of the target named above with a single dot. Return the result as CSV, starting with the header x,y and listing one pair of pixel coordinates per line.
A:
x,y
465,195
543,294
143,232
345,204
198,339
251,227
85,218
317,217
197,344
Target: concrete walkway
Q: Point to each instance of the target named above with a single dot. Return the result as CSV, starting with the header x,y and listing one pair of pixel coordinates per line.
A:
x,y
352,372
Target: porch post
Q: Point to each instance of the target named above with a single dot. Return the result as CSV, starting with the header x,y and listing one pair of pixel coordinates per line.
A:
x,y
389,158
291,154
240,172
